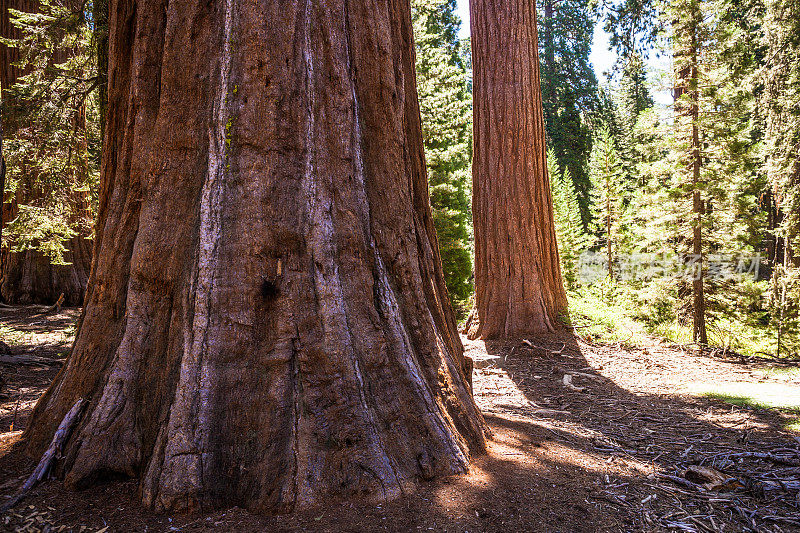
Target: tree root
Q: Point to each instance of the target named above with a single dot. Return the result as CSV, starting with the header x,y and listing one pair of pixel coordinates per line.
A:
x,y
55,307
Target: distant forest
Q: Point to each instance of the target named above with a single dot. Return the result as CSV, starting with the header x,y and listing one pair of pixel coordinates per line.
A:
x,y
678,221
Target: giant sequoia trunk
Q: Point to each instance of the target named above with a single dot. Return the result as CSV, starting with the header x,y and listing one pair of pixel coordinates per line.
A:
x,y
267,323
517,275
28,277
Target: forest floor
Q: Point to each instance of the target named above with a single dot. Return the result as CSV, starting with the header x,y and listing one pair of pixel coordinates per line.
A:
x,y
585,438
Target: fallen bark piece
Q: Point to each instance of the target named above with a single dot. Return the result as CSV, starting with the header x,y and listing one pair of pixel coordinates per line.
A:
x,y
712,479
529,344
42,469
567,381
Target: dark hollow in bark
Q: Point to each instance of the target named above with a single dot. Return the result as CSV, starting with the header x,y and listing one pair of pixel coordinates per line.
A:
x,y
519,288
266,322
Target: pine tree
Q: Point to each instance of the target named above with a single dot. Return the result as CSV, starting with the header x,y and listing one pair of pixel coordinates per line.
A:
x,y
630,99
636,96
446,108
607,193
782,163
572,240
569,86
688,36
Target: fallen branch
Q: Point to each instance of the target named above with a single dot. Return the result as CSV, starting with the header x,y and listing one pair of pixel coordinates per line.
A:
x,y
53,452
768,456
529,344
684,482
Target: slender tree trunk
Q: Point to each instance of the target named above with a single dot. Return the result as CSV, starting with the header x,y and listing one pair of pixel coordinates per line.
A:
x,y
28,277
267,323
2,187
609,241
784,270
687,27
698,205
517,275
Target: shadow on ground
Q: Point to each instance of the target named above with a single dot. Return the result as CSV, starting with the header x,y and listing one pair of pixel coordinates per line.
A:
x,y
630,439
580,454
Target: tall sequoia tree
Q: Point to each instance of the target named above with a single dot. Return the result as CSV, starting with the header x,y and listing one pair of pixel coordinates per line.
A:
x,y
266,323
27,275
9,72
517,275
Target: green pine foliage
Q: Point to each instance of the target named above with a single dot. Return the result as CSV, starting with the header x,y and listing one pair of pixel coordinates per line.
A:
x,y
746,52
572,240
446,108
608,194
781,100
570,95
50,116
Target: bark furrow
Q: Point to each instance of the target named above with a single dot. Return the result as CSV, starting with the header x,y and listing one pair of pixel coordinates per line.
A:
x,y
266,324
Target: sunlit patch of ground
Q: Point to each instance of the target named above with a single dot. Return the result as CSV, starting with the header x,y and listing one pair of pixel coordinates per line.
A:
x,y
768,395
582,437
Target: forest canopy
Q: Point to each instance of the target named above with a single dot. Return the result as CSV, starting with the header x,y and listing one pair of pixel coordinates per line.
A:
x,y
641,185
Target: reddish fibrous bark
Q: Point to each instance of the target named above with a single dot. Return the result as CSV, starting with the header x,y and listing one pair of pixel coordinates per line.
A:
x,y
29,277
9,70
266,323
518,280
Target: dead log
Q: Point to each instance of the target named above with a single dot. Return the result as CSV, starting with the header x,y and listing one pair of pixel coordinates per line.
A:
x,y
29,360
53,452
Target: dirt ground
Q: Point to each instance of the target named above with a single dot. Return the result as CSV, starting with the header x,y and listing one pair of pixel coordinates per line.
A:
x,y
586,438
